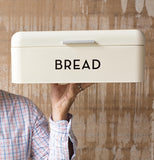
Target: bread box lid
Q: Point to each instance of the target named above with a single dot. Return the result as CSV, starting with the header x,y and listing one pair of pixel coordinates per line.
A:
x,y
78,56
58,38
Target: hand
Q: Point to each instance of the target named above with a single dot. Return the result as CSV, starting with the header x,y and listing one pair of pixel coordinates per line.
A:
x,y
63,96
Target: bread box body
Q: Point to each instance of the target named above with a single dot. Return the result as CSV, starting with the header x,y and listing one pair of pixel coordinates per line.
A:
x,y
78,56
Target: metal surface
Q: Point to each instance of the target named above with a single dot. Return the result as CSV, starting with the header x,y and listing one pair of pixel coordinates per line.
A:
x,y
111,121
79,42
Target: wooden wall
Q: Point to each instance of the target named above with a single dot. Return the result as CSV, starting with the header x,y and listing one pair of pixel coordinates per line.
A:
x,y
112,121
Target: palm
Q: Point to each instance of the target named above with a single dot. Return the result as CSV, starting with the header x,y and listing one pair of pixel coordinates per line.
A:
x,y
63,96
60,92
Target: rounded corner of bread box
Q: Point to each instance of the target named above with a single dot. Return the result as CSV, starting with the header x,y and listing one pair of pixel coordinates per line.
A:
x,y
16,39
141,36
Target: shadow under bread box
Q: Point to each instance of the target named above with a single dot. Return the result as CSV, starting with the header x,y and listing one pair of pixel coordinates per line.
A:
x,y
78,56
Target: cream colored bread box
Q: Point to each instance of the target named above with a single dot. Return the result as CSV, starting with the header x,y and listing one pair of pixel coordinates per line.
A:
x,y
78,56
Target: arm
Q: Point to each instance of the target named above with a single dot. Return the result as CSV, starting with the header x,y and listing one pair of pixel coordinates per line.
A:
x,y
53,144
60,135
56,144
62,98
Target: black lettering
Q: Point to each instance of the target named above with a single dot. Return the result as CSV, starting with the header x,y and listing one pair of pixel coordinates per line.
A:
x,y
67,63
85,65
94,61
58,62
76,66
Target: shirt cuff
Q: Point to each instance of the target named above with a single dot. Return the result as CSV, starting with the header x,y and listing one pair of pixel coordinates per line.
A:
x,y
62,126
60,131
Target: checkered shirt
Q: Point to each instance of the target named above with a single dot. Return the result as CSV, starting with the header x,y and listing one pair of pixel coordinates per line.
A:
x,y
25,133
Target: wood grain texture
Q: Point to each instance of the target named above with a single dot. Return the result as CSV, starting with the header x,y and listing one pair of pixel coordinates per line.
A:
x,y
112,121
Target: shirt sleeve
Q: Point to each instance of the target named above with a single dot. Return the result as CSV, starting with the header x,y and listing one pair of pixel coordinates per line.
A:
x,y
52,144
60,133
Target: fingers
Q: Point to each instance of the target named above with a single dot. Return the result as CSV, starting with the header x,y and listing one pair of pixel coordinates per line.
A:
x,y
83,86
74,88
54,85
86,85
79,87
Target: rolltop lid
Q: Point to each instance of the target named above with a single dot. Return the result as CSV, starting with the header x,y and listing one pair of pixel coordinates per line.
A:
x,y
56,38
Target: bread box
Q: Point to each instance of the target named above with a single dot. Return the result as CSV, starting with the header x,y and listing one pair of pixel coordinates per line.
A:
x,y
94,56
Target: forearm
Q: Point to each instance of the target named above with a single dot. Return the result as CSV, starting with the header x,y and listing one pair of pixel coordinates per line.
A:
x,y
63,97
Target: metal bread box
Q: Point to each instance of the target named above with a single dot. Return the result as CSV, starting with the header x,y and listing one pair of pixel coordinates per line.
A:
x,y
93,56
